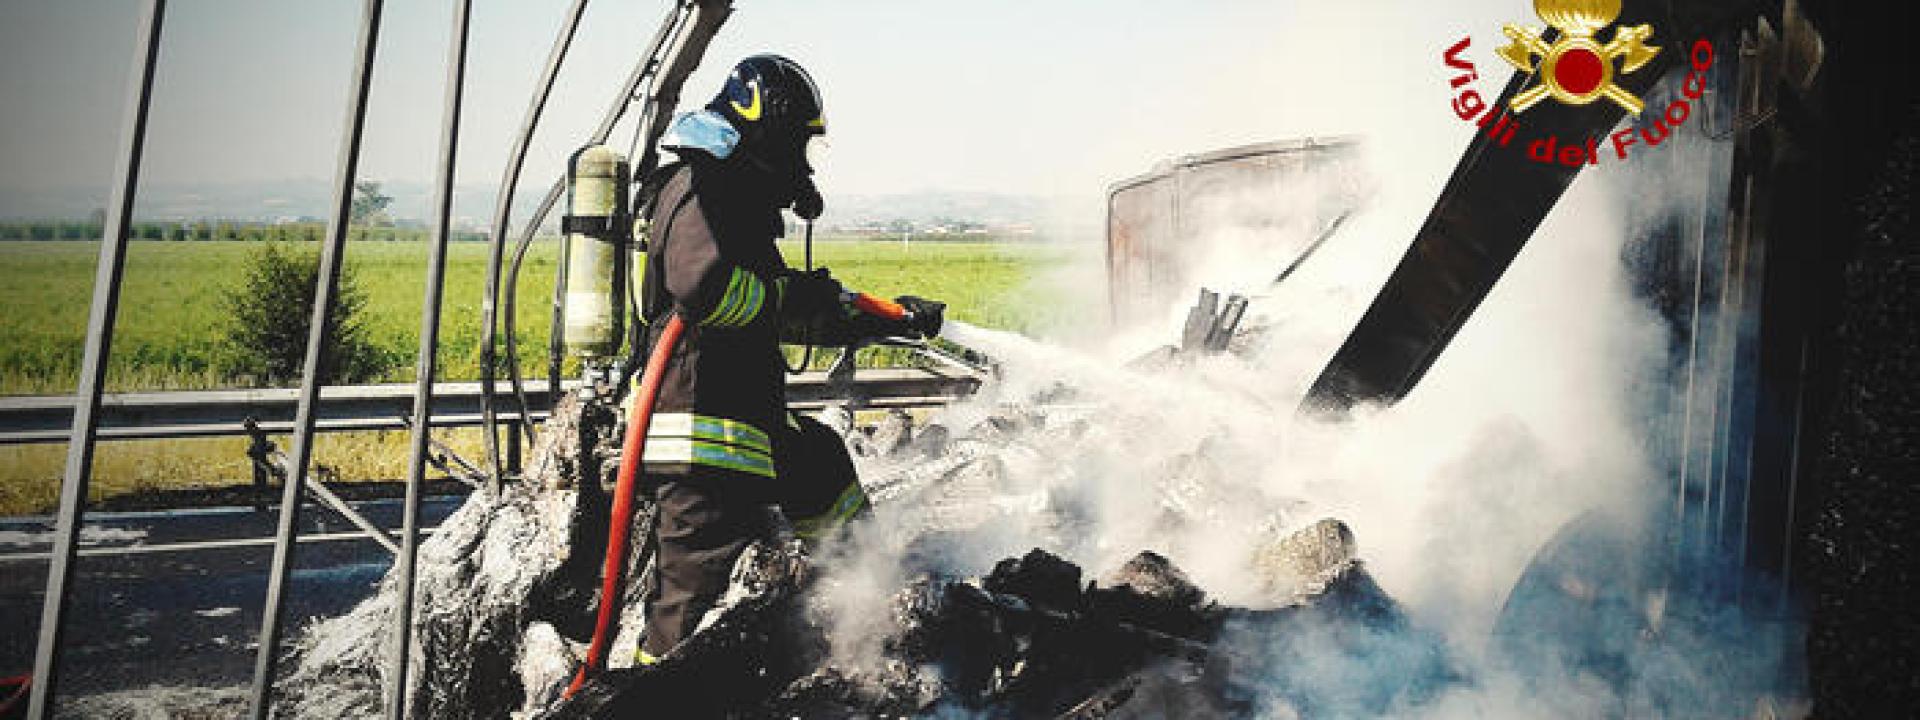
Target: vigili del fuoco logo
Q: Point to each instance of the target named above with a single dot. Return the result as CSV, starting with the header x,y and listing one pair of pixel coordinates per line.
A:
x,y
1575,68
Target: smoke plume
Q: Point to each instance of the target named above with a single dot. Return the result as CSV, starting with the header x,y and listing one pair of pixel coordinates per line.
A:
x,y
1540,417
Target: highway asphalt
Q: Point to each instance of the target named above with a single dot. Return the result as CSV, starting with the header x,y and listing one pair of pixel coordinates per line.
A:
x,y
175,597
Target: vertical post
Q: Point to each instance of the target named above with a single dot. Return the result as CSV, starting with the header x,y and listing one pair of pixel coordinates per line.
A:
x,y
557,321
93,362
325,287
259,453
497,240
515,437
424,367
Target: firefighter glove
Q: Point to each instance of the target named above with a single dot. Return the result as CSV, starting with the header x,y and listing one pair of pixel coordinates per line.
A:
x,y
924,316
811,293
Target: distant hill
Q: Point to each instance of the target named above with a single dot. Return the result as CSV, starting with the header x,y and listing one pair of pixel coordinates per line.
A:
x,y
283,200
983,208
264,201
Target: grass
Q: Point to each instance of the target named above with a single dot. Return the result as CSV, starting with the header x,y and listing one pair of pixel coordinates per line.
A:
x,y
167,335
168,332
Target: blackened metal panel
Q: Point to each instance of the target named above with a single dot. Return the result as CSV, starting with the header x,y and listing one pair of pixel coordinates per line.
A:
x,y
1237,199
1138,217
1491,205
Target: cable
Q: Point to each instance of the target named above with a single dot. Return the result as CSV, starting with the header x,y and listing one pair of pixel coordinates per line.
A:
x,y
636,321
512,328
806,358
503,212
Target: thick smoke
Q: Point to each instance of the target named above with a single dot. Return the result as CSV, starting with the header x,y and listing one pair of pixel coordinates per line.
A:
x,y
1543,414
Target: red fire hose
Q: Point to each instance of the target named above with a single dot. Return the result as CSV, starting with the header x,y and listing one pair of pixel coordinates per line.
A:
x,y
631,448
20,684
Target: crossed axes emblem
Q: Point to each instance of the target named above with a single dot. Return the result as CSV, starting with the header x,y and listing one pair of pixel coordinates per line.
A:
x,y
1575,69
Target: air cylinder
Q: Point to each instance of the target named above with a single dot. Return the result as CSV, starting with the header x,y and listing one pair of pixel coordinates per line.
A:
x,y
595,225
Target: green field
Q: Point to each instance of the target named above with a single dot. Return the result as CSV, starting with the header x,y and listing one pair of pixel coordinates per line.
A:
x,y
168,335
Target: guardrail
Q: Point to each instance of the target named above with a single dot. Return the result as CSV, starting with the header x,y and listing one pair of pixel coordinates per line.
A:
x,y
211,413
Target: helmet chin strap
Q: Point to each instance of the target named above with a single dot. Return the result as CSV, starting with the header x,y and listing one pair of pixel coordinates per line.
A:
x,y
806,357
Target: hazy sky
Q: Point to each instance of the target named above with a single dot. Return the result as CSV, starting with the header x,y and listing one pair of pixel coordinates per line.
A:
x,y
1054,98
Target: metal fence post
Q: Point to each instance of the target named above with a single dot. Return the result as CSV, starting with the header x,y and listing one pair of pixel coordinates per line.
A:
x,y
259,453
305,416
497,240
93,364
425,365
515,428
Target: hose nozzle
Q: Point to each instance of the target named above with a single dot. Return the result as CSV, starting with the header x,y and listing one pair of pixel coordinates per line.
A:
x,y
876,306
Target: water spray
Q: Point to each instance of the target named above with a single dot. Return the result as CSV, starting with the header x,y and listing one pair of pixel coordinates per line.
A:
x,y
983,340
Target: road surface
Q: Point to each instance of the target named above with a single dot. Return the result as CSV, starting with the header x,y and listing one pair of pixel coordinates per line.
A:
x,y
176,597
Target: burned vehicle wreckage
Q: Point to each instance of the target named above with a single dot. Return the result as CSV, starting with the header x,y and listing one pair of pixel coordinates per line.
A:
x,y
932,605
506,590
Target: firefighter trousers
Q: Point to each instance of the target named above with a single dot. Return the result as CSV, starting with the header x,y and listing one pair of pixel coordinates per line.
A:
x,y
704,525
707,519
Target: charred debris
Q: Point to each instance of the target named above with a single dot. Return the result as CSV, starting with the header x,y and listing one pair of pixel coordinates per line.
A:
x,y
507,589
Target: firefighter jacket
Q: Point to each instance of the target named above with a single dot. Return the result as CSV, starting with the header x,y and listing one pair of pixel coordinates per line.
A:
x,y
712,260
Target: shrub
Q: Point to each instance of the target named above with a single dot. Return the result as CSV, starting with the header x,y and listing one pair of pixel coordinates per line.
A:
x,y
269,313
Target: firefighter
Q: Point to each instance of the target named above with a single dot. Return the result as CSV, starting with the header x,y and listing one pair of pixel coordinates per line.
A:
x,y
722,445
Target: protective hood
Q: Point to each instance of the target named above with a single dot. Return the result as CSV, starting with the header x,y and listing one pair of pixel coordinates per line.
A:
x,y
702,130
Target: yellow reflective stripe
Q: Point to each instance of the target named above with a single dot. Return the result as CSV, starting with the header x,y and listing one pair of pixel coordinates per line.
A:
x,y
741,289
708,427
756,295
728,302
844,508
732,458
643,657
693,439
730,431
688,451
725,306
751,111
740,303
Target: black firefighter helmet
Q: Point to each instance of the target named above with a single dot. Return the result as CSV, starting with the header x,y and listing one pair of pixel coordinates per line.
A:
x,y
777,109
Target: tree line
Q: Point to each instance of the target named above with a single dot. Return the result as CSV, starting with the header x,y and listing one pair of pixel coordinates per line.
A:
x,y
368,221
227,230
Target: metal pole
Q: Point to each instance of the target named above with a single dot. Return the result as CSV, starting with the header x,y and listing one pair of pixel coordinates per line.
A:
x,y
496,242
514,438
93,363
304,415
556,320
425,365
339,505
259,452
